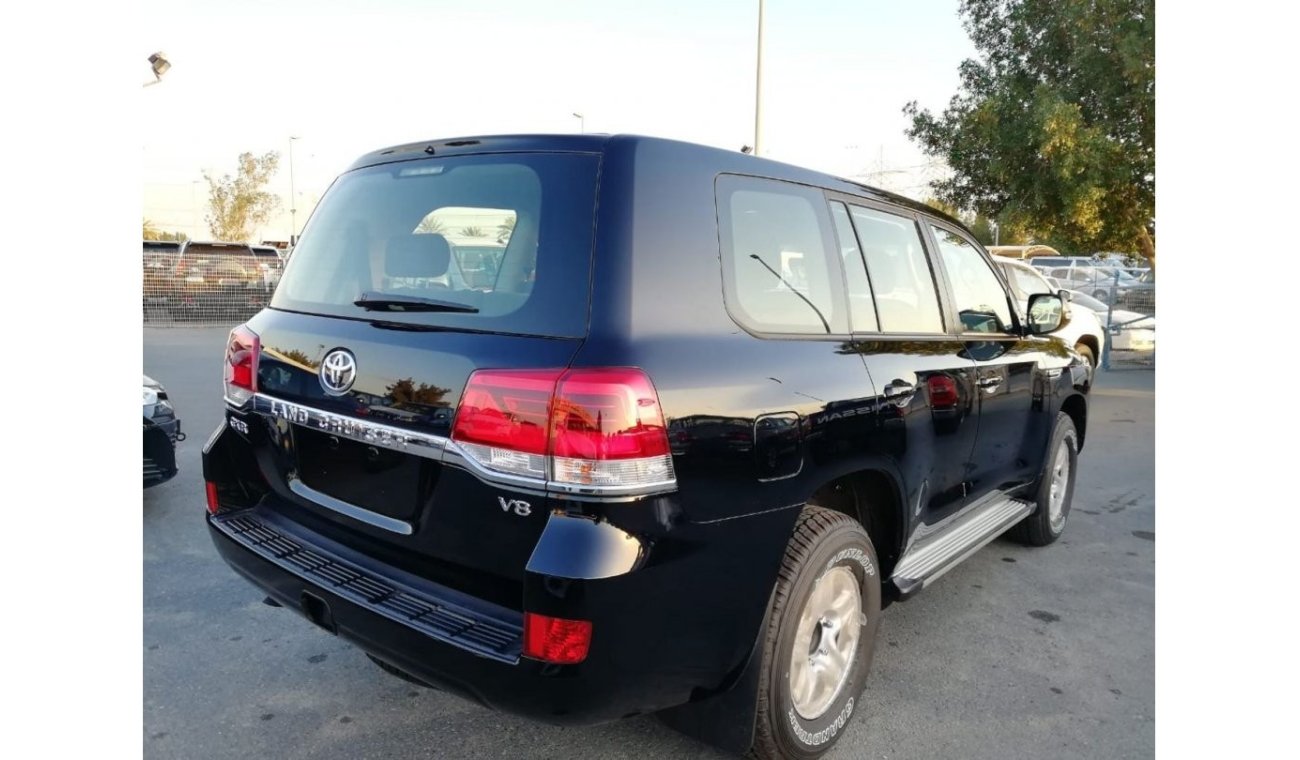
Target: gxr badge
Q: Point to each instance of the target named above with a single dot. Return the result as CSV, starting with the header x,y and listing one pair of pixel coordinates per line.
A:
x,y
521,508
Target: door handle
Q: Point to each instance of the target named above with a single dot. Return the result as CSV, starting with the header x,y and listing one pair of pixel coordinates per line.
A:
x,y
990,383
899,390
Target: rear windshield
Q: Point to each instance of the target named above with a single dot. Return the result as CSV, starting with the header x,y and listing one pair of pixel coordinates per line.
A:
x,y
509,235
217,249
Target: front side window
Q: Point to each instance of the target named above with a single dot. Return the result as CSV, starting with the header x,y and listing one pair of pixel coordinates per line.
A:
x,y
981,300
901,280
1027,282
778,275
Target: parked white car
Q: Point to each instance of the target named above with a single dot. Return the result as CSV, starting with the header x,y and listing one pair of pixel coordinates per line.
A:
x,y
1129,330
1083,329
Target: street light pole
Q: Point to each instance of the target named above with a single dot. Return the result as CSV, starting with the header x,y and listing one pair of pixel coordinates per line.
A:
x,y
194,205
293,198
582,122
758,86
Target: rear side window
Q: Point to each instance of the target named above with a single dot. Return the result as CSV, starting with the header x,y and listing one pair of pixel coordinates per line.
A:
x,y
778,272
981,300
503,239
862,308
901,279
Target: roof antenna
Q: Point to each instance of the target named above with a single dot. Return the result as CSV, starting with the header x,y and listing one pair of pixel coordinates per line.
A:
x,y
746,149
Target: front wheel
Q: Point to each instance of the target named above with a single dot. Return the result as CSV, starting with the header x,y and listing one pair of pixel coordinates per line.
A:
x,y
1055,487
1086,351
820,638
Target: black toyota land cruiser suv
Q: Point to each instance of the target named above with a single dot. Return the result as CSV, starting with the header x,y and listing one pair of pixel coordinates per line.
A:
x,y
698,421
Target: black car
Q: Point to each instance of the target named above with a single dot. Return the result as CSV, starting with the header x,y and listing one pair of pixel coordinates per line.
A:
x,y
162,431
713,414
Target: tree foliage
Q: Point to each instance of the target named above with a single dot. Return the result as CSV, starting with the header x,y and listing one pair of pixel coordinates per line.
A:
x,y
1052,130
431,225
980,226
506,228
240,204
473,232
151,232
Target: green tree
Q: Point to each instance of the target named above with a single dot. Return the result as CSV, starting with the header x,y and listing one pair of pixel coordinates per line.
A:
x,y
506,228
473,232
151,232
980,226
240,204
1052,131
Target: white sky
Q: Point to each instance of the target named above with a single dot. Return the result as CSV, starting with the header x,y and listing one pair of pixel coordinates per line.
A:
x,y
349,77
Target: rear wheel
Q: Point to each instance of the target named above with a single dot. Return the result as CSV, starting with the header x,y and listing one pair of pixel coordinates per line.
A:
x,y
820,638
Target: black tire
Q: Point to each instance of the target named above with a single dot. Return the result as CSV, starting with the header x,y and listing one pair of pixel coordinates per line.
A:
x,y
823,540
1101,295
1037,528
1086,351
394,670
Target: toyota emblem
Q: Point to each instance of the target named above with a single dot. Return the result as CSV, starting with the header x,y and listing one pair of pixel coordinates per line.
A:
x,y
338,372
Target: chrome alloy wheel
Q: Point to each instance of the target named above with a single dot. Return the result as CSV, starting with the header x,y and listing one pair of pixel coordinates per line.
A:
x,y
825,642
1059,486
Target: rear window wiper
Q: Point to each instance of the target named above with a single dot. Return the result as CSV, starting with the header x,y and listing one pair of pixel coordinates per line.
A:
x,y
384,302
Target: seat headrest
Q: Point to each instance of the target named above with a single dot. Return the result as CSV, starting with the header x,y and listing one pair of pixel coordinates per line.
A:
x,y
417,256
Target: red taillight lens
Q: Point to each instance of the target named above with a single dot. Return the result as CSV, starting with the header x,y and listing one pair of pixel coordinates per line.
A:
x,y
564,642
943,391
608,430
503,419
589,427
241,364
608,414
211,488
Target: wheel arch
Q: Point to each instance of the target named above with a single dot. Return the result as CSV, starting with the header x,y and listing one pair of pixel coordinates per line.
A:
x,y
874,499
1075,406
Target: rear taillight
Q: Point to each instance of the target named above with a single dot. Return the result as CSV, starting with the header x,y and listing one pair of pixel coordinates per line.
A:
x,y
241,365
943,391
213,504
503,419
583,428
608,430
564,642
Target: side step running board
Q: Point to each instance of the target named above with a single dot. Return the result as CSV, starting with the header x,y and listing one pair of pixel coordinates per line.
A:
x,y
935,555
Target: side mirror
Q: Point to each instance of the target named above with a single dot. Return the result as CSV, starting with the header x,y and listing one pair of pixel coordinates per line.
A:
x,y
1065,295
1045,313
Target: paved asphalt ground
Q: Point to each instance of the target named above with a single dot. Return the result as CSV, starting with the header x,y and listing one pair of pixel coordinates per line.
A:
x,y
1017,653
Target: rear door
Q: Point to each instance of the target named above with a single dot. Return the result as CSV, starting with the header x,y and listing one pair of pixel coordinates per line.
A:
x,y
369,343
924,378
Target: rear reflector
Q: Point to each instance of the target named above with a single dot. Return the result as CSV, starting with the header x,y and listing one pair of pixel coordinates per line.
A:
x,y
241,365
564,642
211,489
597,428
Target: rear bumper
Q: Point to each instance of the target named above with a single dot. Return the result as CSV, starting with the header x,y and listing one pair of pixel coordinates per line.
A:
x,y
461,644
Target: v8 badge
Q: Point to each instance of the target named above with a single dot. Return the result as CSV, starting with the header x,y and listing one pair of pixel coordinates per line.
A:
x,y
521,508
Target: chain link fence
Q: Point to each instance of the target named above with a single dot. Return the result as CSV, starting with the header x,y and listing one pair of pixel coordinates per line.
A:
x,y
206,284
1130,321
